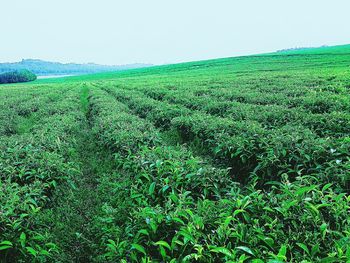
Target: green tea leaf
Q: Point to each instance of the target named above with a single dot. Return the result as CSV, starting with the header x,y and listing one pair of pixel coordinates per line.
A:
x,y
151,188
246,249
222,250
282,253
32,251
164,244
139,248
304,247
304,190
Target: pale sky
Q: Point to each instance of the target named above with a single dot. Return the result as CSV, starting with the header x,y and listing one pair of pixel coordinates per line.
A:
x,y
164,31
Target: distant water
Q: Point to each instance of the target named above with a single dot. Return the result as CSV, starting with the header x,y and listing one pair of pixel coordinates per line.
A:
x,y
53,76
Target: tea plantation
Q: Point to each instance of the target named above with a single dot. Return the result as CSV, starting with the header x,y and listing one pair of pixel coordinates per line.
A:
x,y
242,159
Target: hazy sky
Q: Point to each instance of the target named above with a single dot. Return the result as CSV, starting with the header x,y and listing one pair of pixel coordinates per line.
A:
x,y
164,31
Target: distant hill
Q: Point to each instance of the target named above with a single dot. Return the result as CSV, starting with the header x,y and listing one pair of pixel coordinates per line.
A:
x,y
42,68
299,48
339,49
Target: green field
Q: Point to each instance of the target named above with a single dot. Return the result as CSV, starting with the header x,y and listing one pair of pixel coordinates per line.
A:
x,y
243,159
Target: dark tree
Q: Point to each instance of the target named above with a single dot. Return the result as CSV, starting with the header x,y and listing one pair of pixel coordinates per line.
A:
x,y
17,76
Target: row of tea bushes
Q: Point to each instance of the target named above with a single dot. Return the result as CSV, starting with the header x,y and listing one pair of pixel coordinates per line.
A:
x,y
166,205
335,123
32,164
245,145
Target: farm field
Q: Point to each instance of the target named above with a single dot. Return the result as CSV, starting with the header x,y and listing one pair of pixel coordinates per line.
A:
x,y
243,159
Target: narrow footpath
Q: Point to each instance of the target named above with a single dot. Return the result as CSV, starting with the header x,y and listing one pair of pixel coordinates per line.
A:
x,y
76,204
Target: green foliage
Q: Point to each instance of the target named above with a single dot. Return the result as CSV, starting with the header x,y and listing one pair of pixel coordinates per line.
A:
x,y
17,76
197,212
233,160
32,164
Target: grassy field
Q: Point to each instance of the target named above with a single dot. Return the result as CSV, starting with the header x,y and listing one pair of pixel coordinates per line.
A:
x,y
240,159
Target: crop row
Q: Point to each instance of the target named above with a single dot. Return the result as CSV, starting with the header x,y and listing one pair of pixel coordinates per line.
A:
x,y
20,110
167,205
246,146
296,89
336,123
32,164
